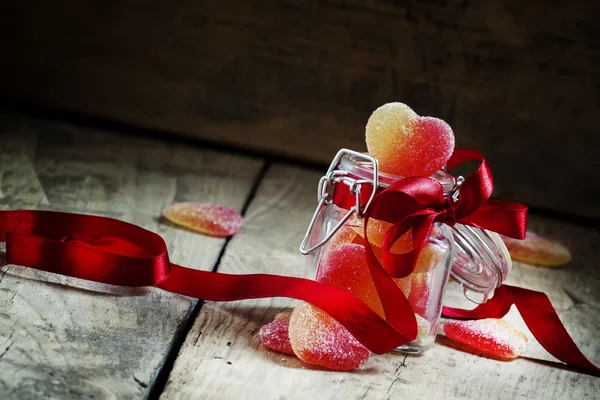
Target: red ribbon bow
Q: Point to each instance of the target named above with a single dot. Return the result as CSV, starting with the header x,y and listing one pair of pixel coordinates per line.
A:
x,y
417,203
115,252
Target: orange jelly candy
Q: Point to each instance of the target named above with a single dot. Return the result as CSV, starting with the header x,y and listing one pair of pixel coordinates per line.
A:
x,y
538,250
377,229
406,144
492,336
275,335
319,339
422,279
209,218
343,236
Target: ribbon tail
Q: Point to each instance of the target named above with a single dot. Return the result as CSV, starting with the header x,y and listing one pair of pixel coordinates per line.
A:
x,y
543,322
539,316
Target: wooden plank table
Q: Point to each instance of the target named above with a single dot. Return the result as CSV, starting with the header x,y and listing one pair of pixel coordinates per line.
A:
x,y
67,338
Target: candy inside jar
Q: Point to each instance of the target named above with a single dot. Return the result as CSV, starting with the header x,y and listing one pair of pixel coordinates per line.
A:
x,y
476,258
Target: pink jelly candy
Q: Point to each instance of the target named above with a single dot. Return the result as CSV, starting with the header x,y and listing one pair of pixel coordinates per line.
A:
x,y
538,250
319,339
274,335
492,336
406,144
346,267
209,218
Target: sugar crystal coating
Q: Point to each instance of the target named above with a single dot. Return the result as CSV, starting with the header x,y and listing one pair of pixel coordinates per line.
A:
x,y
345,267
319,339
538,250
431,145
406,144
342,236
492,336
376,230
209,218
274,335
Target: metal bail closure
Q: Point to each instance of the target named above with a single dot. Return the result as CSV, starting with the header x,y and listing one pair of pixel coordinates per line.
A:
x,y
325,192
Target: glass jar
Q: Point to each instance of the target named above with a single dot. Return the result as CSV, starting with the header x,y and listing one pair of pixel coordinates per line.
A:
x,y
476,258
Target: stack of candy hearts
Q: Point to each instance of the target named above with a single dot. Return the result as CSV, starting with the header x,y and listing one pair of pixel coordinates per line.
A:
x,y
405,145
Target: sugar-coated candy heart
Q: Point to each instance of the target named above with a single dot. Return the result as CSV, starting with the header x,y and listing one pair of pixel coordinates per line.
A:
x,y
319,339
377,229
492,336
345,267
274,335
538,250
344,235
406,144
209,218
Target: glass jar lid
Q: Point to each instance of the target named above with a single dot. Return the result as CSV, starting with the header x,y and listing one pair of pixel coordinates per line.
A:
x,y
481,261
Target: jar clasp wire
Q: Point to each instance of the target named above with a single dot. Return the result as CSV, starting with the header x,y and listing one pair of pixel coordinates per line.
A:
x,y
325,193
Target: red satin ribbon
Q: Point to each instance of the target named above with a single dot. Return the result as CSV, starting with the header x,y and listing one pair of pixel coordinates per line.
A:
x,y
109,251
418,202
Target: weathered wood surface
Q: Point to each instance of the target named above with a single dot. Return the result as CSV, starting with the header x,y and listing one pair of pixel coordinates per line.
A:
x,y
300,79
222,356
64,338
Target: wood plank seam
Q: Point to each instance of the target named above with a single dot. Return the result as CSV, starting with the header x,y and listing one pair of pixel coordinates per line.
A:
x,y
157,385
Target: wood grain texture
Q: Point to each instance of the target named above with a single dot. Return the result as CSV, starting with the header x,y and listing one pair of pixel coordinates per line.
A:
x,y
223,358
71,339
300,78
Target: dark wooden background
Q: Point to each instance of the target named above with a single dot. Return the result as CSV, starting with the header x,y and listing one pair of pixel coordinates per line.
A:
x,y
517,80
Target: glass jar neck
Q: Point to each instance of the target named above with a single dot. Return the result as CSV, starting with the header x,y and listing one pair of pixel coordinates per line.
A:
x,y
364,170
